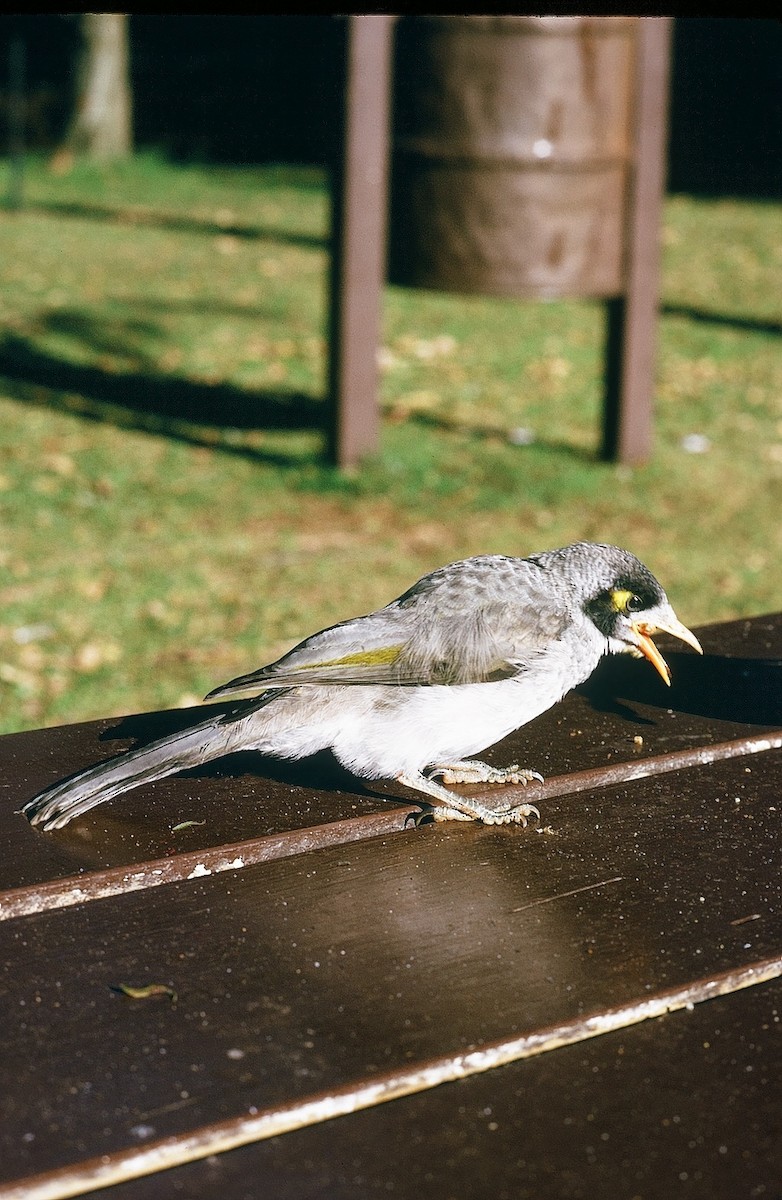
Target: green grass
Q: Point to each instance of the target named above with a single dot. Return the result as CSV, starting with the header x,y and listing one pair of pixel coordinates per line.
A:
x,y
146,556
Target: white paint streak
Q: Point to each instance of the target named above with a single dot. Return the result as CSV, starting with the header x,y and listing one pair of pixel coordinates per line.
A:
x,y
198,871
45,898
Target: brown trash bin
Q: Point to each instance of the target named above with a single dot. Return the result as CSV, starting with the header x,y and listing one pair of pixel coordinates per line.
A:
x,y
512,147
529,161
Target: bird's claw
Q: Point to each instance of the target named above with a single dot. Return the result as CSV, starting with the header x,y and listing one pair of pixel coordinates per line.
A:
x,y
480,772
423,817
518,814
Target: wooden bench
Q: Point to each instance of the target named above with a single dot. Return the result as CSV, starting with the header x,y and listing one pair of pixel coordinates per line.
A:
x,y
326,964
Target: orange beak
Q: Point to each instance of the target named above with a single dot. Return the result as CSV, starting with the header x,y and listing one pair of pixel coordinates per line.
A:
x,y
647,648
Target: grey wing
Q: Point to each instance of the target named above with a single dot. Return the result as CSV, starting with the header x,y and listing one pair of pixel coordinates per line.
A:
x,y
363,650
488,619
471,622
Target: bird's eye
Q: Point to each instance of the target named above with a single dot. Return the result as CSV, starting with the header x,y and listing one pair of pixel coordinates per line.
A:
x,y
624,601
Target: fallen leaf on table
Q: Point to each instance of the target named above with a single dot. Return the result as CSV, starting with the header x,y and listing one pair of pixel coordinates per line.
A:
x,y
145,992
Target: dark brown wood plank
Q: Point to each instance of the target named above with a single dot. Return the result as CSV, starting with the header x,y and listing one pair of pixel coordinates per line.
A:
x,y
685,1106
395,959
254,808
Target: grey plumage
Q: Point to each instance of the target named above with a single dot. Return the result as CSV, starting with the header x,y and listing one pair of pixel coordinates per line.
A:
x,y
469,653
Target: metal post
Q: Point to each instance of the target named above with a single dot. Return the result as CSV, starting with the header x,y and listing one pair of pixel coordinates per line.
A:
x,y
632,317
359,239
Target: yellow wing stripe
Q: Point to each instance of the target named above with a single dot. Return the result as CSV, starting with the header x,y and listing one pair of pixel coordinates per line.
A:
x,y
362,658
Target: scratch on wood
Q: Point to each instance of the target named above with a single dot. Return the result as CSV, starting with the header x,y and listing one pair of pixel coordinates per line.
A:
x,y
588,887
743,920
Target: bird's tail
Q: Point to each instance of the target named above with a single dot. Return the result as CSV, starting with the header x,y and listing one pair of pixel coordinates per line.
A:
x,y
59,804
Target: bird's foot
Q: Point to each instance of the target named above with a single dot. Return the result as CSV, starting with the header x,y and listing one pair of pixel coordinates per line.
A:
x,y
518,814
474,771
450,807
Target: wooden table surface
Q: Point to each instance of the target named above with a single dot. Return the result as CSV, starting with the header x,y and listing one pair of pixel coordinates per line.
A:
x,y
590,1007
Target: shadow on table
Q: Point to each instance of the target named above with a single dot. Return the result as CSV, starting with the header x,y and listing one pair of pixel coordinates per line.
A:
x,y
745,690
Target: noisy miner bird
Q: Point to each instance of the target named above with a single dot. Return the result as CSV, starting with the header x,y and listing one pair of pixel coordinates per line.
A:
x,y
469,653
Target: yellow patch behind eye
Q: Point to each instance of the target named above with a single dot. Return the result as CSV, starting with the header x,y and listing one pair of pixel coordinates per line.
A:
x,y
362,658
620,599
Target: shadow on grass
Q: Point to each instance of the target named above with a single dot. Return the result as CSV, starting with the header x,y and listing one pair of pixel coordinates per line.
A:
x,y
193,412
177,224
702,315
446,424
180,224
198,414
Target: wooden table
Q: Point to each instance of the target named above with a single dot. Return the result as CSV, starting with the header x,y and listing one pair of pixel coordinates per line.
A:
x,y
333,966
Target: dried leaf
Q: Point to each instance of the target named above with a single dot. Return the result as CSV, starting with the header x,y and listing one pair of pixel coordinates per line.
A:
x,y
145,992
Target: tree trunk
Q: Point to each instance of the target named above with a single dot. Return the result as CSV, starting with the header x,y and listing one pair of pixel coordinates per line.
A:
x,y
101,122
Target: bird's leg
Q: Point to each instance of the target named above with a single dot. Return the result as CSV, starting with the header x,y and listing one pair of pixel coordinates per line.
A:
x,y
449,807
472,771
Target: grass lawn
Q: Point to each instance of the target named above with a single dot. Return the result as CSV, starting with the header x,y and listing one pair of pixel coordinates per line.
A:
x,y
168,520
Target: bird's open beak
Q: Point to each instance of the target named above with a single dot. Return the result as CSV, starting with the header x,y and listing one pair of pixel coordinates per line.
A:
x,y
647,647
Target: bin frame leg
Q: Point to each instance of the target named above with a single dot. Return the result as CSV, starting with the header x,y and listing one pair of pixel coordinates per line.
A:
x,y
357,274
631,318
